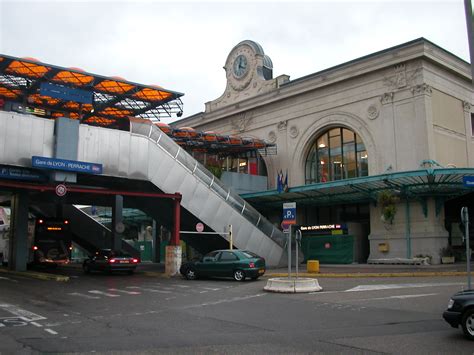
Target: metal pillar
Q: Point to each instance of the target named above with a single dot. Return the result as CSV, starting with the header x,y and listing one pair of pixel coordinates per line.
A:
x,y
176,222
173,250
407,227
117,222
18,253
156,243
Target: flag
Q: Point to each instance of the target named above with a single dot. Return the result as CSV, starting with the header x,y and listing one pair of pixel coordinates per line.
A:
x,y
280,182
285,184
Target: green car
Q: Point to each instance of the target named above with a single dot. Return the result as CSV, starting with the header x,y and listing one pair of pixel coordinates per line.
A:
x,y
239,264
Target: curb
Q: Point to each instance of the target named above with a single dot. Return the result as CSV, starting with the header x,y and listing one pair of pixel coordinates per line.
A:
x,y
374,274
36,275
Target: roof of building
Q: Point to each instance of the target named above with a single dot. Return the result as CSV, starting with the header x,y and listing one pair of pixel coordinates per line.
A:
x,y
53,91
443,183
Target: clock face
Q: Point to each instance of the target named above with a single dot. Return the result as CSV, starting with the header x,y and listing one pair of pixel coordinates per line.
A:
x,y
240,66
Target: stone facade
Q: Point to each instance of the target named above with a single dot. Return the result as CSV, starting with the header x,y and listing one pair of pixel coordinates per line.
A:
x,y
409,104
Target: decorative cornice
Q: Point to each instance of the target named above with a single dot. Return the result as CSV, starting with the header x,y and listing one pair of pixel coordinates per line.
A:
x,y
399,77
282,125
422,89
466,106
242,121
387,98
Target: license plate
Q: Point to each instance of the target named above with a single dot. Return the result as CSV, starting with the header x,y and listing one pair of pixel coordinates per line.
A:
x,y
261,271
124,261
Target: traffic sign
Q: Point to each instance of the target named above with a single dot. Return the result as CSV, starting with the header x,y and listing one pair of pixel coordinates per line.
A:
x,y
61,190
199,227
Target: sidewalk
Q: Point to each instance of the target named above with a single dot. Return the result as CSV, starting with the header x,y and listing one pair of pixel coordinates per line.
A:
x,y
349,270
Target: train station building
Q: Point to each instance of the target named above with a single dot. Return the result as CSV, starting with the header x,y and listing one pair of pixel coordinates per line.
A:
x,y
376,154
376,148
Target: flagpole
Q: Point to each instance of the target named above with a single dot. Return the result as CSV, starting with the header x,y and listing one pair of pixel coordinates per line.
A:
x,y
470,34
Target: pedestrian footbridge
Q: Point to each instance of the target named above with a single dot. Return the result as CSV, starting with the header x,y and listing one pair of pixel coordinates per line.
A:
x,y
146,154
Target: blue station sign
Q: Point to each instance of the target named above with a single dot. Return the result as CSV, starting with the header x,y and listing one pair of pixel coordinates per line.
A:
x,y
66,93
19,173
66,165
468,181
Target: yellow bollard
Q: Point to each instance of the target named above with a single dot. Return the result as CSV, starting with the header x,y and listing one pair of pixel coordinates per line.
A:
x,y
312,266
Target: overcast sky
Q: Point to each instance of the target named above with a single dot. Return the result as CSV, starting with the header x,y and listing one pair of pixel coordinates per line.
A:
x,y
183,45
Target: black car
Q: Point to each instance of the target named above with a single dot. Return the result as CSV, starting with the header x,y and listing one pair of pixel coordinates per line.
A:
x,y
109,260
461,311
238,264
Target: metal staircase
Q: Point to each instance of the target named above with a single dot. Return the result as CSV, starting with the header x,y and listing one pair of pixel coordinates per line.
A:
x,y
146,153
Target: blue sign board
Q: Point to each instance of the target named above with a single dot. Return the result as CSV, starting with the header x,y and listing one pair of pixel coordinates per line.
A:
x,y
66,165
65,93
289,215
18,173
468,181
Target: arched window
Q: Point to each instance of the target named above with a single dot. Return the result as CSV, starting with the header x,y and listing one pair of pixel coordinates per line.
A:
x,y
337,154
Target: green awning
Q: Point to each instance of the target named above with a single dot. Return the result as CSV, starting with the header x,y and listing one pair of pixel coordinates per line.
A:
x,y
443,183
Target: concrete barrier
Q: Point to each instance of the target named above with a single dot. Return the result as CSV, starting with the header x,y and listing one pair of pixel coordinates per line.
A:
x,y
292,285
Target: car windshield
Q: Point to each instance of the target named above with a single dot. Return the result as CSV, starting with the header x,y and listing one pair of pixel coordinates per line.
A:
x,y
249,254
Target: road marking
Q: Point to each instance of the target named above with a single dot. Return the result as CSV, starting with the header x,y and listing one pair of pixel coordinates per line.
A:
x,y
125,291
97,292
395,286
27,315
158,285
148,289
210,289
183,286
83,295
36,324
396,297
50,331
7,278
234,299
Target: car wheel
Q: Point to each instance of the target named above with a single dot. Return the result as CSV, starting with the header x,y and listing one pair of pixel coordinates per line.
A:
x,y
239,275
190,274
86,268
468,324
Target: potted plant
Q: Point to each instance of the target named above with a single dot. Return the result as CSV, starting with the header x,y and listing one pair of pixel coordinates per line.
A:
x,y
447,255
387,201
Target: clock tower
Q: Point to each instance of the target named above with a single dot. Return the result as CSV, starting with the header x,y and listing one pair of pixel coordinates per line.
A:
x,y
249,72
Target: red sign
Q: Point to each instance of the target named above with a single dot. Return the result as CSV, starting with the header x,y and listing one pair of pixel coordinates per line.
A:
x,y
285,226
61,190
199,227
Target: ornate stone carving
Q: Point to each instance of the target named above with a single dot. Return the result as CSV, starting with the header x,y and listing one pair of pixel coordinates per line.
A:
x,y
422,89
400,78
372,112
282,125
242,121
294,131
387,98
467,106
272,137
